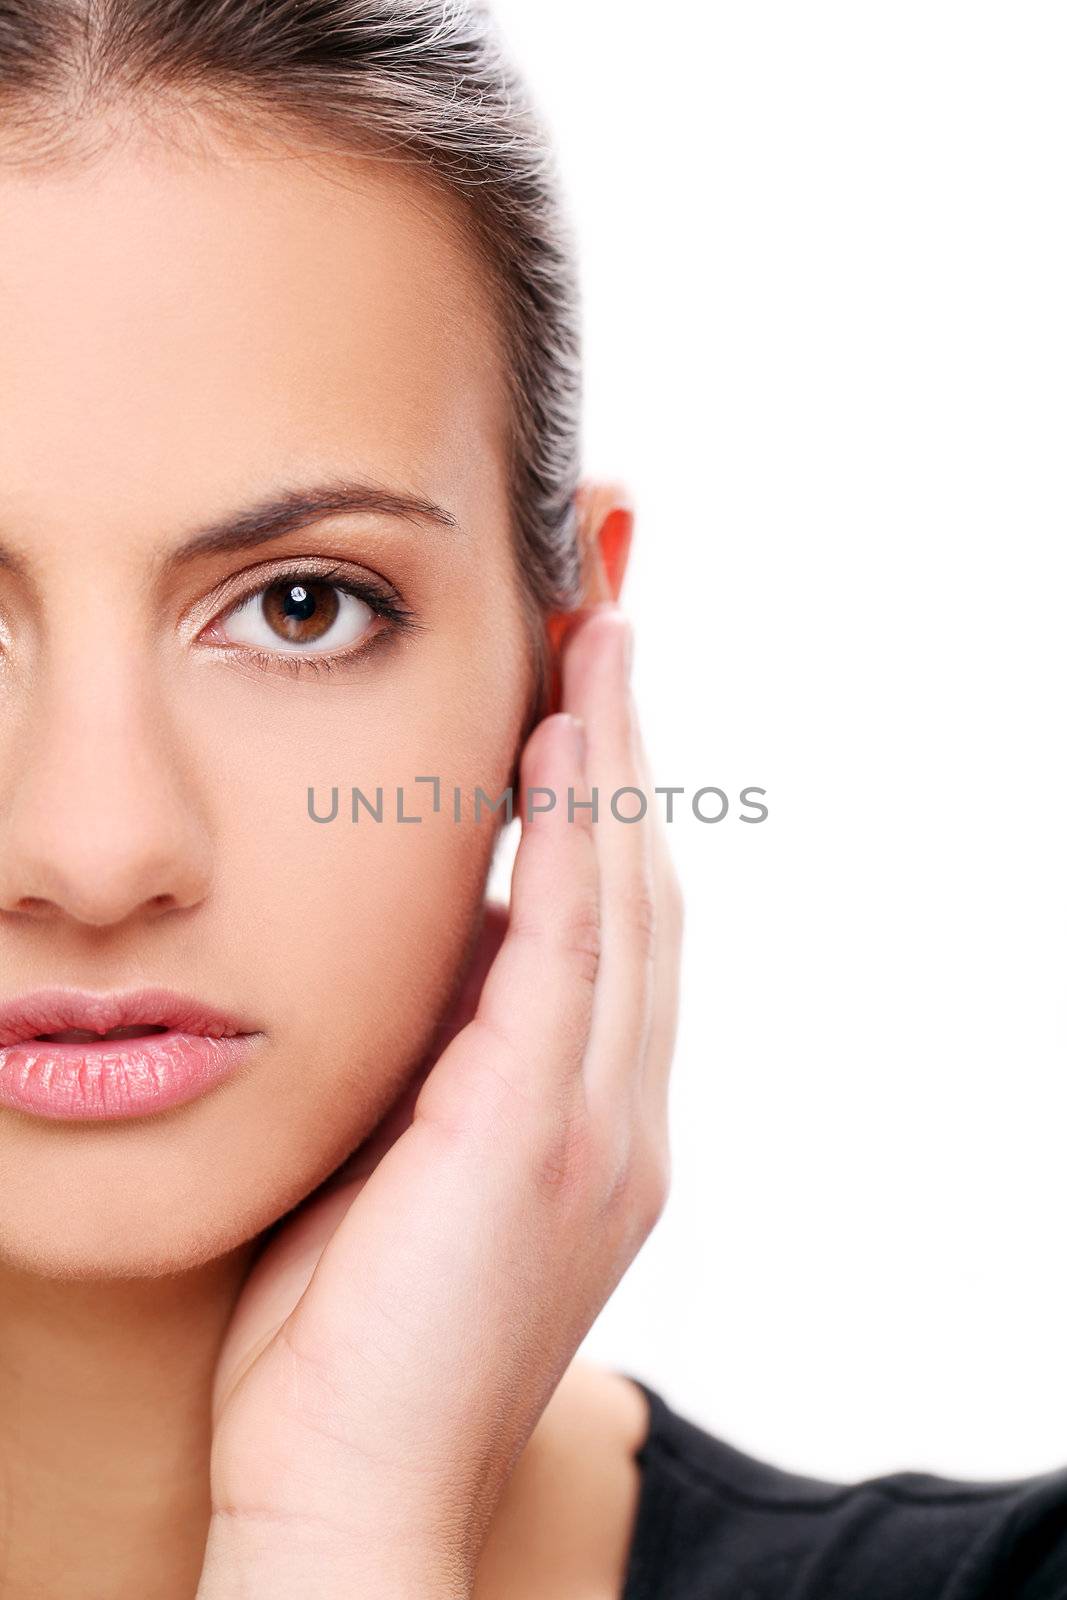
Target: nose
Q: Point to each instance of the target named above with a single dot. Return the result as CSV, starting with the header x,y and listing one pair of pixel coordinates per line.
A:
x,y
99,818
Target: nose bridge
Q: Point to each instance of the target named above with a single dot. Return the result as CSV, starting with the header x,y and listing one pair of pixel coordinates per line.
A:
x,y
100,809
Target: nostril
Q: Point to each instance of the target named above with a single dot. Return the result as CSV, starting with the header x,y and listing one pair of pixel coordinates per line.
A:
x,y
33,904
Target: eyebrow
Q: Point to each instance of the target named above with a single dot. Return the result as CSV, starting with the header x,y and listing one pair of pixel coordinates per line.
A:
x,y
295,508
289,511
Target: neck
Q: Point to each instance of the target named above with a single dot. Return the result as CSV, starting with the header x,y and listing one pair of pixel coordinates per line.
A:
x,y
105,1440
105,1428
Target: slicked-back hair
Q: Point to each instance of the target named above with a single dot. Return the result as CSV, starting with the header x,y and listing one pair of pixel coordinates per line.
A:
x,y
428,82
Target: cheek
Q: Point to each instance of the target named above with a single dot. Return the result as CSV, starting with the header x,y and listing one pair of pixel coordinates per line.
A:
x,y
346,937
385,915
342,942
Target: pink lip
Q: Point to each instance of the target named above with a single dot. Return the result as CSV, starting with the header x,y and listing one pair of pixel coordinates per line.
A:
x,y
126,1077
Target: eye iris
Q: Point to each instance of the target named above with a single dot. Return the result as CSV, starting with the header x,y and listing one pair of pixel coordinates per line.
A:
x,y
300,612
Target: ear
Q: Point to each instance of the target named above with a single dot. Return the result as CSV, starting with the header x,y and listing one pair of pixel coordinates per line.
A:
x,y
605,532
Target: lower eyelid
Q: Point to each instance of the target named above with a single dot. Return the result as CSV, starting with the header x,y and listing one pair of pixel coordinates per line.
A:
x,y
294,662
318,665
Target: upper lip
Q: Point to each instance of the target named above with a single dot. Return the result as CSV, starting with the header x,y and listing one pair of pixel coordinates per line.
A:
x,y
98,1011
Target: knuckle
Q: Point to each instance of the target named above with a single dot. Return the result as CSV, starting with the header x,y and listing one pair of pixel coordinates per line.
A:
x,y
580,936
561,1156
574,932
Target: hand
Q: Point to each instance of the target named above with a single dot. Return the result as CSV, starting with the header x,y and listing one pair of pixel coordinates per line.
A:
x,y
397,1343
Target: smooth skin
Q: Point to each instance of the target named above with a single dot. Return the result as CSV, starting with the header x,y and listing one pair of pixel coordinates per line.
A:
x,y
371,1436
380,1390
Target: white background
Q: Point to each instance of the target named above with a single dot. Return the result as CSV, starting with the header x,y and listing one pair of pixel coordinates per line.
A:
x,y
824,259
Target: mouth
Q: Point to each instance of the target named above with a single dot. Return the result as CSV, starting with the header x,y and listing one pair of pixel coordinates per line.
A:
x,y
74,1054
85,1036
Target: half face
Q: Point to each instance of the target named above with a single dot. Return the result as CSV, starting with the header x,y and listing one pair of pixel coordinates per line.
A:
x,y
185,343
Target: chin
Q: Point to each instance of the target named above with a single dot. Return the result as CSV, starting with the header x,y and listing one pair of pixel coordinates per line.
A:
x,y
96,1214
100,1247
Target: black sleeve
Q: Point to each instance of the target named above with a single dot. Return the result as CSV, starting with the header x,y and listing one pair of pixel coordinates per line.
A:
x,y
716,1524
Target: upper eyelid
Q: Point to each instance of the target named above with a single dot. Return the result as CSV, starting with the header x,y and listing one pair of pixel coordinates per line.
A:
x,y
238,587
334,577
243,585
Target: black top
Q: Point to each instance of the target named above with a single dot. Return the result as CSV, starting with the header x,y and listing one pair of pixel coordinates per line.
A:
x,y
715,1524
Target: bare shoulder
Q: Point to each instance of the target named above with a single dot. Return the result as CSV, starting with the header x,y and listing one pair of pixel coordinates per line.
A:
x,y
563,1527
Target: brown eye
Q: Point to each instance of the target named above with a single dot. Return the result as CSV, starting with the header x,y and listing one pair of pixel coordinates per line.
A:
x,y
299,615
300,612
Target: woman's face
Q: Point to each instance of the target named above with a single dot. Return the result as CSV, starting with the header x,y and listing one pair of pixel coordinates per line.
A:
x,y
183,340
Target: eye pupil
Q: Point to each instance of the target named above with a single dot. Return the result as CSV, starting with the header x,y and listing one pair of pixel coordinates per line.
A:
x,y
301,612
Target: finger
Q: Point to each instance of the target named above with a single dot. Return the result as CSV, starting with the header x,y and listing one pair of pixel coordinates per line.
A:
x,y
531,1026
596,685
670,914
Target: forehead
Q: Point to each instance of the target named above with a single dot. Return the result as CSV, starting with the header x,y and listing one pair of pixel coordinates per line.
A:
x,y
175,331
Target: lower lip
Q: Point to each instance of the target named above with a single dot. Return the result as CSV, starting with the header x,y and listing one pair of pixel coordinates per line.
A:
x,y
113,1078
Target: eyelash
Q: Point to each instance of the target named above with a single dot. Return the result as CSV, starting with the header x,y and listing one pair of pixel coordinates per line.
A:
x,y
382,599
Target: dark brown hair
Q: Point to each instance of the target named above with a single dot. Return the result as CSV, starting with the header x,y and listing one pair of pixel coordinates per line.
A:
x,y
425,81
